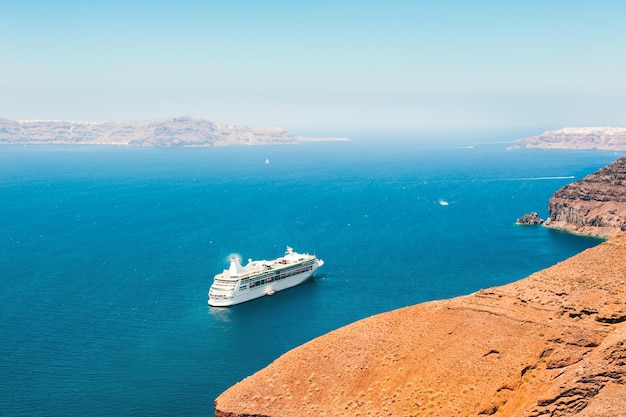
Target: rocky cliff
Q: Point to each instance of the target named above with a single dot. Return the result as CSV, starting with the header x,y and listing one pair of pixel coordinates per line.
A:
x,y
607,138
595,205
184,131
553,344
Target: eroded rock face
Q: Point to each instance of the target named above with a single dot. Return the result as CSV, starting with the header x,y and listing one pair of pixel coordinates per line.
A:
x,y
553,344
595,205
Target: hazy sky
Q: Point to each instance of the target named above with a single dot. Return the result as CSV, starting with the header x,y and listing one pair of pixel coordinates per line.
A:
x,y
318,65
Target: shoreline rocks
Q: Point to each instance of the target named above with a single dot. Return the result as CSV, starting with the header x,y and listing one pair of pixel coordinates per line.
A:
x,y
531,219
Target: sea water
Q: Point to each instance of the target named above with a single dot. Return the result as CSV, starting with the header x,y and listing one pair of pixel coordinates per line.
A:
x,y
107,254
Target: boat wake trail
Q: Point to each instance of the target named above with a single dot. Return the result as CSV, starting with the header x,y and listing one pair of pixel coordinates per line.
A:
x,y
548,178
568,177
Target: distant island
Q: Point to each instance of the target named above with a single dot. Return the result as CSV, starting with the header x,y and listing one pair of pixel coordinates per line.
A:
x,y
185,131
602,138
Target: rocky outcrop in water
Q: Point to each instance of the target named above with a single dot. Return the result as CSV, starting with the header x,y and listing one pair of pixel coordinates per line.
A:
x,y
607,138
531,219
184,131
553,344
595,205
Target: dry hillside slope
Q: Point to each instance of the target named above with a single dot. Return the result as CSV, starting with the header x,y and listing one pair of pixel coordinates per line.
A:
x,y
552,344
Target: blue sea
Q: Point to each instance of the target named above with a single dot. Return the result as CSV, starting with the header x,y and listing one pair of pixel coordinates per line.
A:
x,y
107,254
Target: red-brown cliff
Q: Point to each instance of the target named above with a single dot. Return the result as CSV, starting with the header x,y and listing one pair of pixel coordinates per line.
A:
x,y
552,344
595,205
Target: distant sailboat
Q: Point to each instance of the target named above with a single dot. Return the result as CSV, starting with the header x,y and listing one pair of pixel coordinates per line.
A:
x,y
267,160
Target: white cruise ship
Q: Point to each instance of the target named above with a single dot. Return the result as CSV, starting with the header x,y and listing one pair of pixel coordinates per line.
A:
x,y
238,284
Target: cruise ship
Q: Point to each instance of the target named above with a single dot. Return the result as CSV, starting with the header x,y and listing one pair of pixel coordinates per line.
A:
x,y
239,284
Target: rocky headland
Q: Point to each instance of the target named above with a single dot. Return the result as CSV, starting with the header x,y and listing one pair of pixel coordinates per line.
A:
x,y
594,205
552,344
605,138
186,131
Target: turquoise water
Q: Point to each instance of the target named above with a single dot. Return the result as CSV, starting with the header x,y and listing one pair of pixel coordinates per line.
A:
x,y
106,256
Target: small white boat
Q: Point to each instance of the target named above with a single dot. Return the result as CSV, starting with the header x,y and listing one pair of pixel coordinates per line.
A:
x,y
443,202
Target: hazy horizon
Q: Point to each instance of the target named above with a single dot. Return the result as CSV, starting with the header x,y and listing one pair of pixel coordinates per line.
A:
x,y
320,68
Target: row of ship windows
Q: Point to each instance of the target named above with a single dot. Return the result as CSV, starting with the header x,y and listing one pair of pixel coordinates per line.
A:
x,y
281,276
278,277
224,284
218,295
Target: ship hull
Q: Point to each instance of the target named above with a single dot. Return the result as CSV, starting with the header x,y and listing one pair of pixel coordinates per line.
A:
x,y
241,296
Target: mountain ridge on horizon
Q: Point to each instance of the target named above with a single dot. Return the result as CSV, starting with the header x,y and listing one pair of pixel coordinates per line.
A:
x,y
601,138
180,131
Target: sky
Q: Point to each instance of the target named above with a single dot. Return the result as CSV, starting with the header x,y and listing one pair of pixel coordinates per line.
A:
x,y
318,67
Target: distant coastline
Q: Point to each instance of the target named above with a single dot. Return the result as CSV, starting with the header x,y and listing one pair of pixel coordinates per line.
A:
x,y
601,138
185,131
